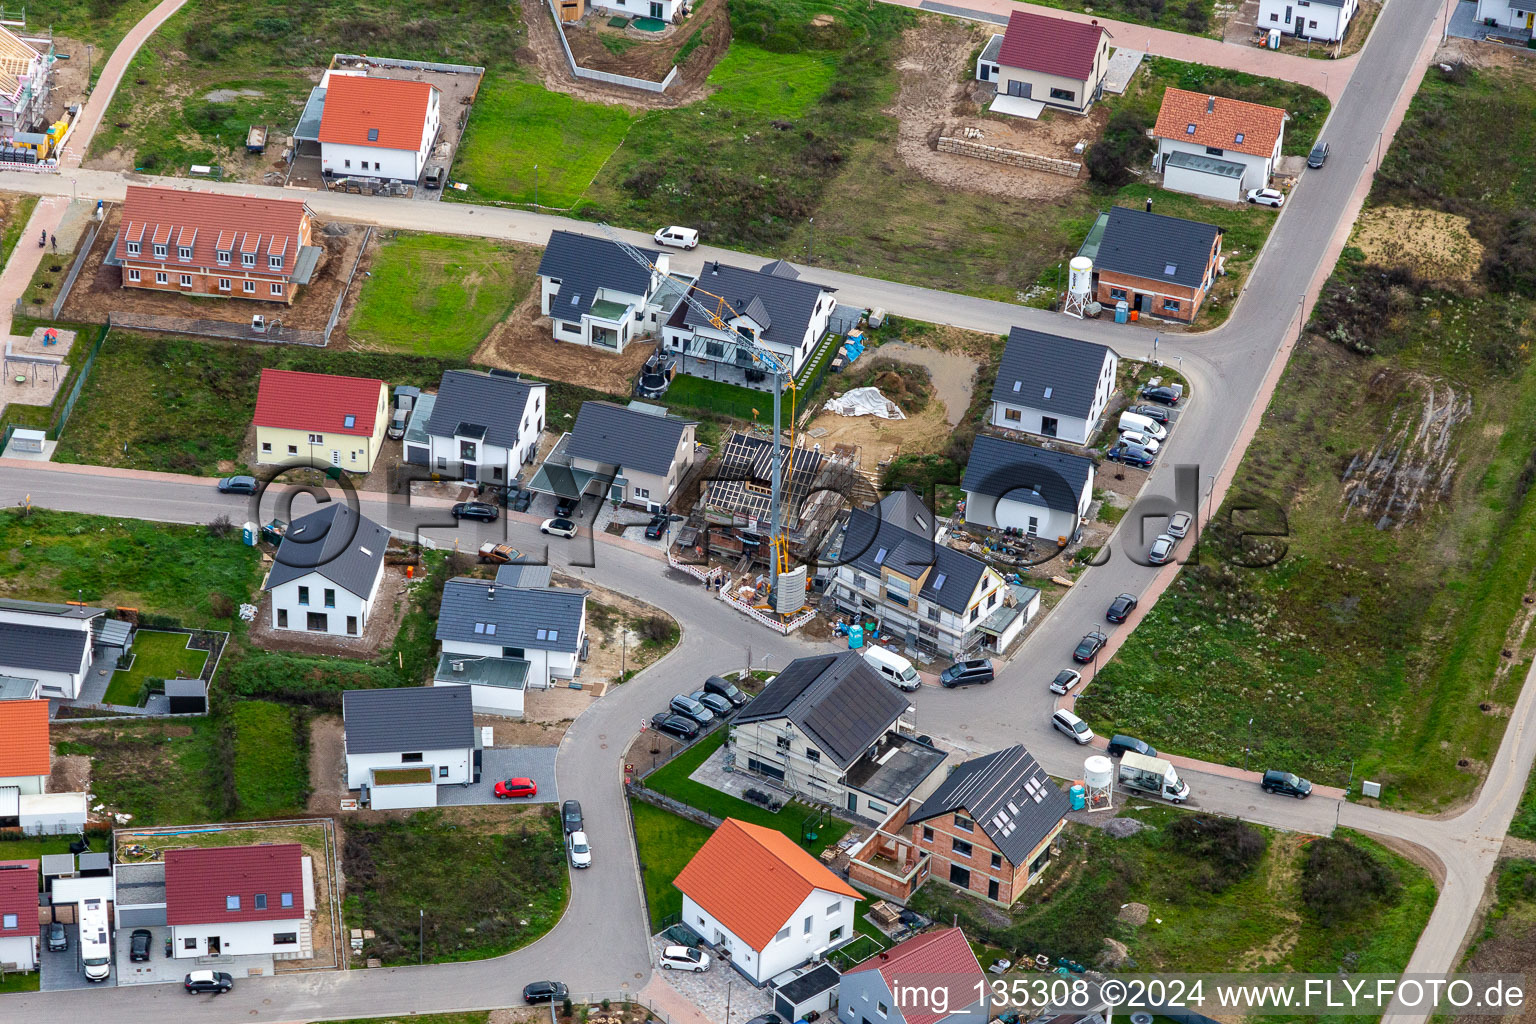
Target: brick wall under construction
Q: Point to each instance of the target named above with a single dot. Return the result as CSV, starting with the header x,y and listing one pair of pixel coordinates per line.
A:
x,y
1011,157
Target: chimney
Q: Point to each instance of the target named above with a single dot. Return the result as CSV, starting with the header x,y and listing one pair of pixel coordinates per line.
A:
x,y
490,592
1149,204
714,268
1210,104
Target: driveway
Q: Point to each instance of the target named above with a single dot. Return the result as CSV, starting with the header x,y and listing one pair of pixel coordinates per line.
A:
x,y
62,970
497,763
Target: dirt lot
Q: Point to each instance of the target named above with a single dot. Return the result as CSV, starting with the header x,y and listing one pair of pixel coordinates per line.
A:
x,y
935,100
1434,244
99,289
650,55
69,75
549,56
327,765
881,440
610,614
388,609
524,342
952,372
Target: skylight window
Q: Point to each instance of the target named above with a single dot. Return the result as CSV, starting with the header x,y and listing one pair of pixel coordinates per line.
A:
x,y
1190,130
373,135
479,627
938,582
1017,385
490,629
880,557
1047,392
542,634
349,421
1170,268
554,634
1239,136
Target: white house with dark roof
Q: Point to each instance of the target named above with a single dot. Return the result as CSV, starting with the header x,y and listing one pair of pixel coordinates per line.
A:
x,y
634,454
772,305
326,573
1327,20
1053,386
51,644
596,294
500,638
484,426
401,744
1011,484
829,729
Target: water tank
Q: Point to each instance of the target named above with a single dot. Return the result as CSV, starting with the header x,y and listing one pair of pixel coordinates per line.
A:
x,y
1080,276
1098,771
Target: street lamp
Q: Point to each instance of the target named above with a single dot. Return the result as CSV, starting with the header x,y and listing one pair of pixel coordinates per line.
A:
x,y
1210,495
810,250
421,936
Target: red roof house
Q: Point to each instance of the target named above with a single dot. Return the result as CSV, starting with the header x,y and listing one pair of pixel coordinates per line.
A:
x,y
339,420
1053,61
18,913
927,963
24,751
214,243
235,900
377,128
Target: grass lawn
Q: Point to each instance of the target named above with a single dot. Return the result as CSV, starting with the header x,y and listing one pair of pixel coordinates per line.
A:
x,y
1524,825
156,655
1197,17
99,22
1403,608
271,748
721,398
671,779
465,1017
180,571
28,982
1257,921
492,887
665,843
433,295
204,77
784,85
1508,938
18,209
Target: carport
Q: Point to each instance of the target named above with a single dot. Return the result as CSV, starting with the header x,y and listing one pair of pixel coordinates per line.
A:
x,y
557,476
498,763
62,970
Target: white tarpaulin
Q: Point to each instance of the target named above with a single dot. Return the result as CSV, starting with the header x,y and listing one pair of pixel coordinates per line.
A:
x,y
864,402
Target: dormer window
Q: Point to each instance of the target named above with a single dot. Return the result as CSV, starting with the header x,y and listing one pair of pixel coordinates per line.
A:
x,y
133,248
184,252
247,259
224,257
274,263
159,252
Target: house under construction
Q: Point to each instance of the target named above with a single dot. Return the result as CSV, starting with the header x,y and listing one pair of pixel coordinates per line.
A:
x,y
26,76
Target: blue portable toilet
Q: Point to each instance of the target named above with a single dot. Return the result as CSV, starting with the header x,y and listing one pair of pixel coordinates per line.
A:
x,y
249,535
1079,796
1122,311
855,637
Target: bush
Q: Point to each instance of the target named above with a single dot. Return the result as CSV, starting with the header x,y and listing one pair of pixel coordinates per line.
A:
x,y
1224,851
1509,266
658,628
220,606
221,526
1195,17
1340,880
1123,145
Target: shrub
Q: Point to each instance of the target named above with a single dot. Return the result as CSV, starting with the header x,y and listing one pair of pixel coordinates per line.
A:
x,y
220,606
658,628
1223,850
1339,880
1509,266
1123,146
221,526
1195,17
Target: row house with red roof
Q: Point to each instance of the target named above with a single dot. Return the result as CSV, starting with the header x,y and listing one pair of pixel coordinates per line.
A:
x,y
320,418
382,129
1052,61
240,901
18,914
933,978
213,243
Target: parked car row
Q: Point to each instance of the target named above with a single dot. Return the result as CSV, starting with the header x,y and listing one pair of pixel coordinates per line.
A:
x,y
688,713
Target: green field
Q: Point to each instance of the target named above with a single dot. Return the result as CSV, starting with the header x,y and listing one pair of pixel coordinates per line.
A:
x,y
436,295
1197,17
665,844
271,751
180,571
156,655
102,23
720,398
1508,938
1404,606
18,211
1524,825
751,78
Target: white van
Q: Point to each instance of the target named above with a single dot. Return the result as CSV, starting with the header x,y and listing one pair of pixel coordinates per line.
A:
x,y
681,238
1065,722
893,668
1142,425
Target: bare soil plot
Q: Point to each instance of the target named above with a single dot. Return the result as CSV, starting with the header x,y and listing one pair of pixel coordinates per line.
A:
x,y
882,440
650,55
327,764
1434,244
524,342
388,610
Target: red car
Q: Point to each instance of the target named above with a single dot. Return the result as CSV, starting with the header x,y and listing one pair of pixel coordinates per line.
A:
x,y
516,787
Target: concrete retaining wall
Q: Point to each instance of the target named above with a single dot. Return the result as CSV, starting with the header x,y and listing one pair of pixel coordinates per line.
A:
x,y
1011,157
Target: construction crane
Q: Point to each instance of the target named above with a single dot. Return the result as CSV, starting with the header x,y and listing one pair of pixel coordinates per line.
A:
x,y
719,318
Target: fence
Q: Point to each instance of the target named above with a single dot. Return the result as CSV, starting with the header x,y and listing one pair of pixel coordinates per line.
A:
x,y
37,312
217,329
780,627
61,417
407,65
1012,157
605,76
330,325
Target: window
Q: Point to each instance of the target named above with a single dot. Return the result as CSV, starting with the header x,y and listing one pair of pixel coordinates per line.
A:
x,y
834,908
277,288
133,248
1049,425
642,492
161,278
184,252
783,742
293,449
231,902
249,287
223,257
835,934
274,262
975,612
1189,130
186,280
881,1007
303,595
247,259
285,938
442,771
1310,24
1274,17
410,758
1239,137
188,943
964,824
782,935
878,807
349,421
812,754
282,618
375,165
1012,415
961,847
346,163
261,901
1170,305
1116,294
330,597
511,652
1215,151
317,439
223,284
927,834
10,921
1064,94
266,446
285,900
810,921
133,275
997,862
373,135
992,599
933,613
160,251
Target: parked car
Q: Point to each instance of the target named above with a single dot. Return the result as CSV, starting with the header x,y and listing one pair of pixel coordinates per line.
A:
x,y
767,1018
58,937
1121,607
683,958
678,237
1319,154
508,789
718,705
237,485
656,527
570,815
544,992
681,726
1064,721
1155,413
967,673
481,510
1267,197
565,506
1161,393
1179,523
434,176
1120,743
1065,680
1089,646
208,981
1277,781
1140,440
558,527
727,689
1162,549
1130,455
138,947
581,850
683,704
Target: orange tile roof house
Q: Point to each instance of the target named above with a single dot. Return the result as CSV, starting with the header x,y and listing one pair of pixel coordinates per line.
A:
x,y
1216,147
337,420
939,964
763,901
24,750
1052,61
213,243
379,129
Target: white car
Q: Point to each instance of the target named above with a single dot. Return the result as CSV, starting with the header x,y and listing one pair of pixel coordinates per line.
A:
x,y
1144,441
1267,197
680,238
581,850
1179,523
1064,721
1065,680
683,958
558,527
1162,549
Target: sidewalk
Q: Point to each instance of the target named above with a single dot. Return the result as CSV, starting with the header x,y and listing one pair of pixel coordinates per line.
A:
x,y
1326,76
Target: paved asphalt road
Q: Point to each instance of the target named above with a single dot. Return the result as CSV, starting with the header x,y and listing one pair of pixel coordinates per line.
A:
x,y
599,945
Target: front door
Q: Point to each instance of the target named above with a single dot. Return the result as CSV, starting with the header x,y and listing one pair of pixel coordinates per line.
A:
x,y
992,889
213,945
352,625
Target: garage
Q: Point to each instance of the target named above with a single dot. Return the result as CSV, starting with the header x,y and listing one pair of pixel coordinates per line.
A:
x,y
1203,176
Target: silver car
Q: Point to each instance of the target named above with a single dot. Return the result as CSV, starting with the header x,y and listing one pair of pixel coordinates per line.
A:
x,y
686,705
1179,523
1162,549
